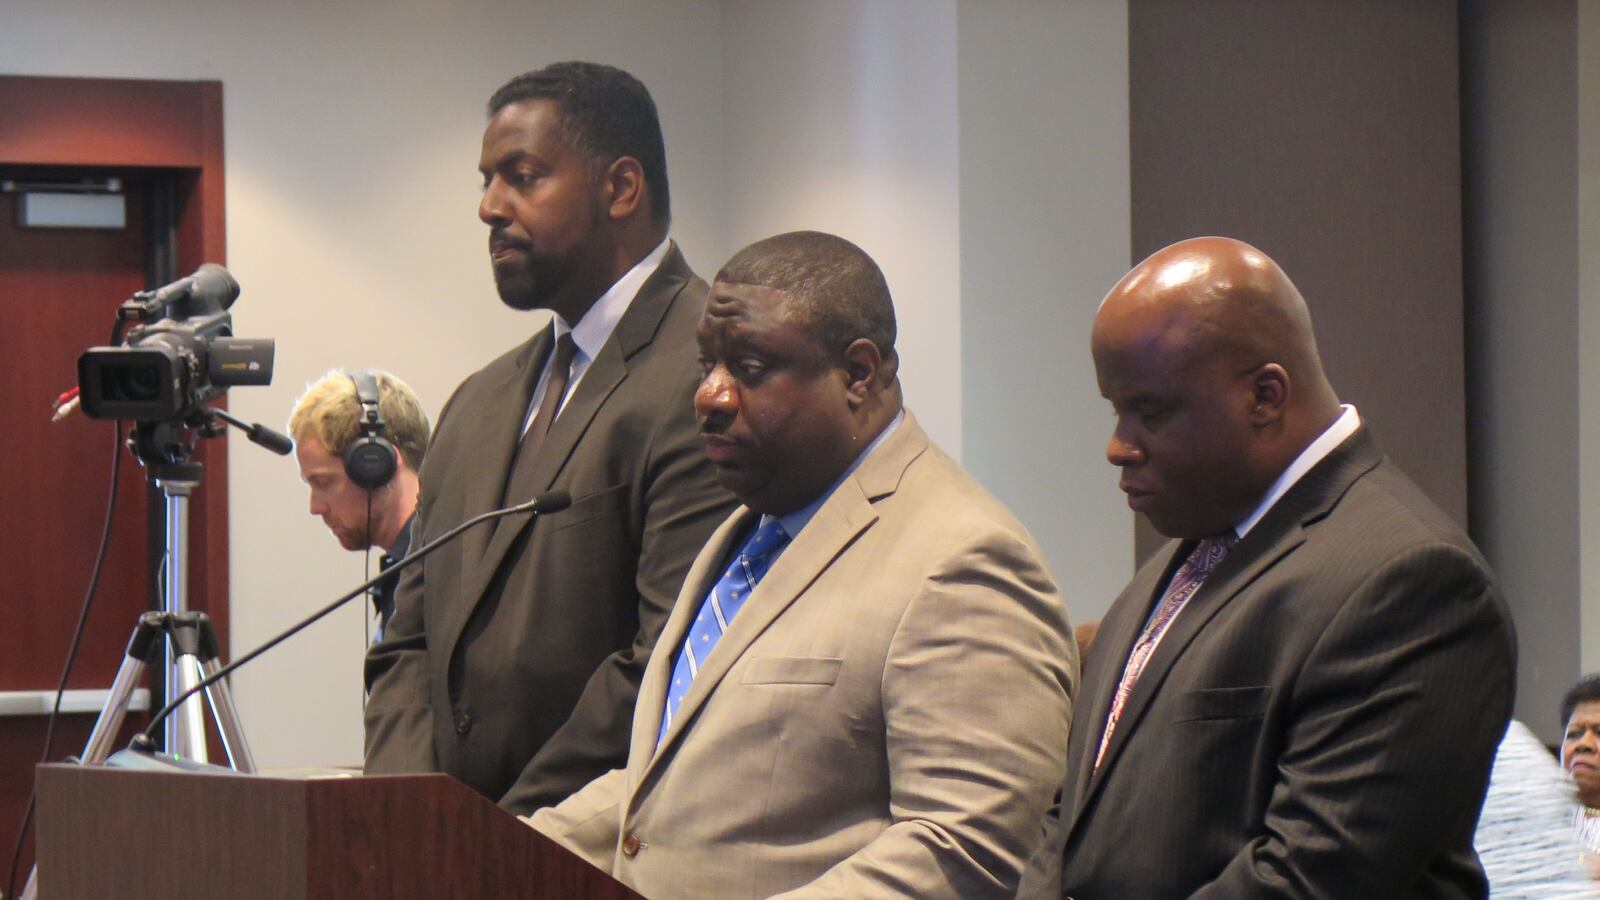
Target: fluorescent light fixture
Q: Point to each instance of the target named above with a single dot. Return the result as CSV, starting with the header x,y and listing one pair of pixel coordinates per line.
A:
x,y
56,210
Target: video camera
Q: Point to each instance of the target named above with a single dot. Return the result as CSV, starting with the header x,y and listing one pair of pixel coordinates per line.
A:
x,y
167,368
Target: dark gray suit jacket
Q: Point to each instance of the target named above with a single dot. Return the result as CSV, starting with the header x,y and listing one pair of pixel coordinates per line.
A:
x,y
1318,722
514,655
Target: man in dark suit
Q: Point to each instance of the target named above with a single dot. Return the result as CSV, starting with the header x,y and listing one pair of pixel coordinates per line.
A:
x,y
1300,696
514,655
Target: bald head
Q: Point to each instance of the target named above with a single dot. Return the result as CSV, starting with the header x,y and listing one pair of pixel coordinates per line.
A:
x,y
1218,298
1206,352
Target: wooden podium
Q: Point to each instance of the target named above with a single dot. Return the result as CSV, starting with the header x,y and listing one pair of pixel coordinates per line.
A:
x,y
133,835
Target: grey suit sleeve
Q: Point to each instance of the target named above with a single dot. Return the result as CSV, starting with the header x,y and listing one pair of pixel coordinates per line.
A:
x,y
1398,710
398,717
977,696
681,503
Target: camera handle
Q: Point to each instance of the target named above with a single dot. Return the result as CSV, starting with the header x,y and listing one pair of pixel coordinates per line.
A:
x,y
160,446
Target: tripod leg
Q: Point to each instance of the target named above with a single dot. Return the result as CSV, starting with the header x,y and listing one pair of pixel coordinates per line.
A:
x,y
114,711
191,730
140,646
151,626
227,717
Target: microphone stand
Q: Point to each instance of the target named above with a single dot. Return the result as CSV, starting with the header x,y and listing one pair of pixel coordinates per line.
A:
x,y
548,502
199,626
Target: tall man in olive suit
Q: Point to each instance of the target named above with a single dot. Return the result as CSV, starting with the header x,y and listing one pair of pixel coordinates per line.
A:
x,y
515,653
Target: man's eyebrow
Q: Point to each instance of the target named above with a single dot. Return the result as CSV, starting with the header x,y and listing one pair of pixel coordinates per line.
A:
x,y
510,157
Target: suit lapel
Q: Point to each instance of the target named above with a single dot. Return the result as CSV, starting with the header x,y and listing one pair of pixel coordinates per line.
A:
x,y
702,575
500,436
1241,567
603,376
1118,631
842,518
1275,537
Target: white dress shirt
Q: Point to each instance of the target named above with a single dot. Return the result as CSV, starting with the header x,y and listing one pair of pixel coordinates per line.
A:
x,y
594,329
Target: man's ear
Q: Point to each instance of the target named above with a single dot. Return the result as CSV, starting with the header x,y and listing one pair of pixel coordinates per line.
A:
x,y
622,187
862,365
1270,389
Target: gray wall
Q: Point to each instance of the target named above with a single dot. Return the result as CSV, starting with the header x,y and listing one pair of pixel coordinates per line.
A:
x,y
1044,234
1589,325
1519,151
1327,135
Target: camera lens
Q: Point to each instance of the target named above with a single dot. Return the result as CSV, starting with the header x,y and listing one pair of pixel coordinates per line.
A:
x,y
133,382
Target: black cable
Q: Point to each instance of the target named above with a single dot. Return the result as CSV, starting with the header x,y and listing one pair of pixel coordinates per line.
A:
x,y
366,615
72,652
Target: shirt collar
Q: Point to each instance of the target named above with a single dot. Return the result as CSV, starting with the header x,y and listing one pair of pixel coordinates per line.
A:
x,y
1344,426
594,329
794,521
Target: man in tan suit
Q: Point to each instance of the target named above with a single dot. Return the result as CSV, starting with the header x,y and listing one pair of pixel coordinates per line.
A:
x,y
863,687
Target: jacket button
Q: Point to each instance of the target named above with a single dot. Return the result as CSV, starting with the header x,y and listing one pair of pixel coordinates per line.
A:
x,y
463,723
630,846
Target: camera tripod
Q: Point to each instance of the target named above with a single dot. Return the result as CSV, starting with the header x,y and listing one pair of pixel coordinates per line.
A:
x,y
194,643
165,449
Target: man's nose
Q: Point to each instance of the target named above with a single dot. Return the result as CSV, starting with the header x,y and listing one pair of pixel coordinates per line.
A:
x,y
1121,452
492,208
716,394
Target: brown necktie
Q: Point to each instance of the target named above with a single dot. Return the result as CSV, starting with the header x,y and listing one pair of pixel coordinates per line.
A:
x,y
549,405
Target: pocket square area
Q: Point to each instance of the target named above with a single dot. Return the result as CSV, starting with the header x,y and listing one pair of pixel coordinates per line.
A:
x,y
1222,703
792,670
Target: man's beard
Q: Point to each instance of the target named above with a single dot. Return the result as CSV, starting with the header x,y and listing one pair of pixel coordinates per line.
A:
x,y
533,283
538,279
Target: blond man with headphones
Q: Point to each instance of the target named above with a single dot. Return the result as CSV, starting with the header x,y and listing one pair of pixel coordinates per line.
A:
x,y
359,438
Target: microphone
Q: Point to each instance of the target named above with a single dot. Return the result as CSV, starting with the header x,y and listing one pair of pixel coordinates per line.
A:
x,y
544,504
210,287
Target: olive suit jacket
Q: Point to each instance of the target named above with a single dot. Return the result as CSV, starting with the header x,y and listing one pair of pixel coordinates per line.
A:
x,y
514,654
1319,720
885,717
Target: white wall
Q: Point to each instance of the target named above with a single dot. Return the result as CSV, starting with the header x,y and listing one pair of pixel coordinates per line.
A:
x,y
1045,231
840,116
352,133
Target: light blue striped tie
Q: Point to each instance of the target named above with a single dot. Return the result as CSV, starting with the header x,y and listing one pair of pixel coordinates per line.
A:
x,y
727,597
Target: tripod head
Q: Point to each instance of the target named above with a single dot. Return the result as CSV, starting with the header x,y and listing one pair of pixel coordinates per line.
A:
x,y
165,449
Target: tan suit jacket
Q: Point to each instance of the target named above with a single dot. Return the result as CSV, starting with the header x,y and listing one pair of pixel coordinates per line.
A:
x,y
886,717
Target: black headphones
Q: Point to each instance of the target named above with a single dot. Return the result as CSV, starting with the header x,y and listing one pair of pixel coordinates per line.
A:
x,y
370,460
